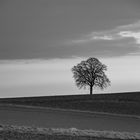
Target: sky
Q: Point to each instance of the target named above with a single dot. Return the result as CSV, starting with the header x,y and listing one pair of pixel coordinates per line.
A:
x,y
41,40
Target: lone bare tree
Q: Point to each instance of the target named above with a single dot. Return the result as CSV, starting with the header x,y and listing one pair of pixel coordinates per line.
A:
x,y
90,73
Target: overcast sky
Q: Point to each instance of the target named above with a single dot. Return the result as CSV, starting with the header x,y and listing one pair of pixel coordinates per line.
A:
x,y
39,35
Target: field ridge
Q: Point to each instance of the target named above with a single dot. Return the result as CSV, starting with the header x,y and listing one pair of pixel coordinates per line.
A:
x,y
127,103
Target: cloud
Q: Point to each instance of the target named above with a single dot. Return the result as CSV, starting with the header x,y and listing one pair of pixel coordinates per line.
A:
x,y
118,33
102,38
130,31
94,36
122,40
134,26
135,35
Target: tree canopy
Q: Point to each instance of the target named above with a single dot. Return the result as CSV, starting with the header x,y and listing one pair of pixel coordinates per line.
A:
x,y
90,73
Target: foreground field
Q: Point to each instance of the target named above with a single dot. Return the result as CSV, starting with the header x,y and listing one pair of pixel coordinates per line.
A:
x,y
58,118
120,103
31,133
108,114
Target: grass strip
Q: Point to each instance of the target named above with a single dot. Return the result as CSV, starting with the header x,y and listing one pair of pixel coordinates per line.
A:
x,y
11,132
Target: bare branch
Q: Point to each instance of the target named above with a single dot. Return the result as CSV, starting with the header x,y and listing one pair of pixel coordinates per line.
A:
x,y
90,73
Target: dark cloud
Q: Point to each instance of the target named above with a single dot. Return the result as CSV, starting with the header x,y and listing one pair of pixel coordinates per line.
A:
x,y
38,29
104,48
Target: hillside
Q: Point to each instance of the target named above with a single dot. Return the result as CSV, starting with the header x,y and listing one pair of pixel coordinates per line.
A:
x,y
120,103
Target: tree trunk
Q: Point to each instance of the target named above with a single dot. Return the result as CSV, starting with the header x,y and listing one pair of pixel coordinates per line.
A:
x,y
91,89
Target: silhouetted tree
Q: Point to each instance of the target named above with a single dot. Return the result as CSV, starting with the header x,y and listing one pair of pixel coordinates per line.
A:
x,y
90,73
